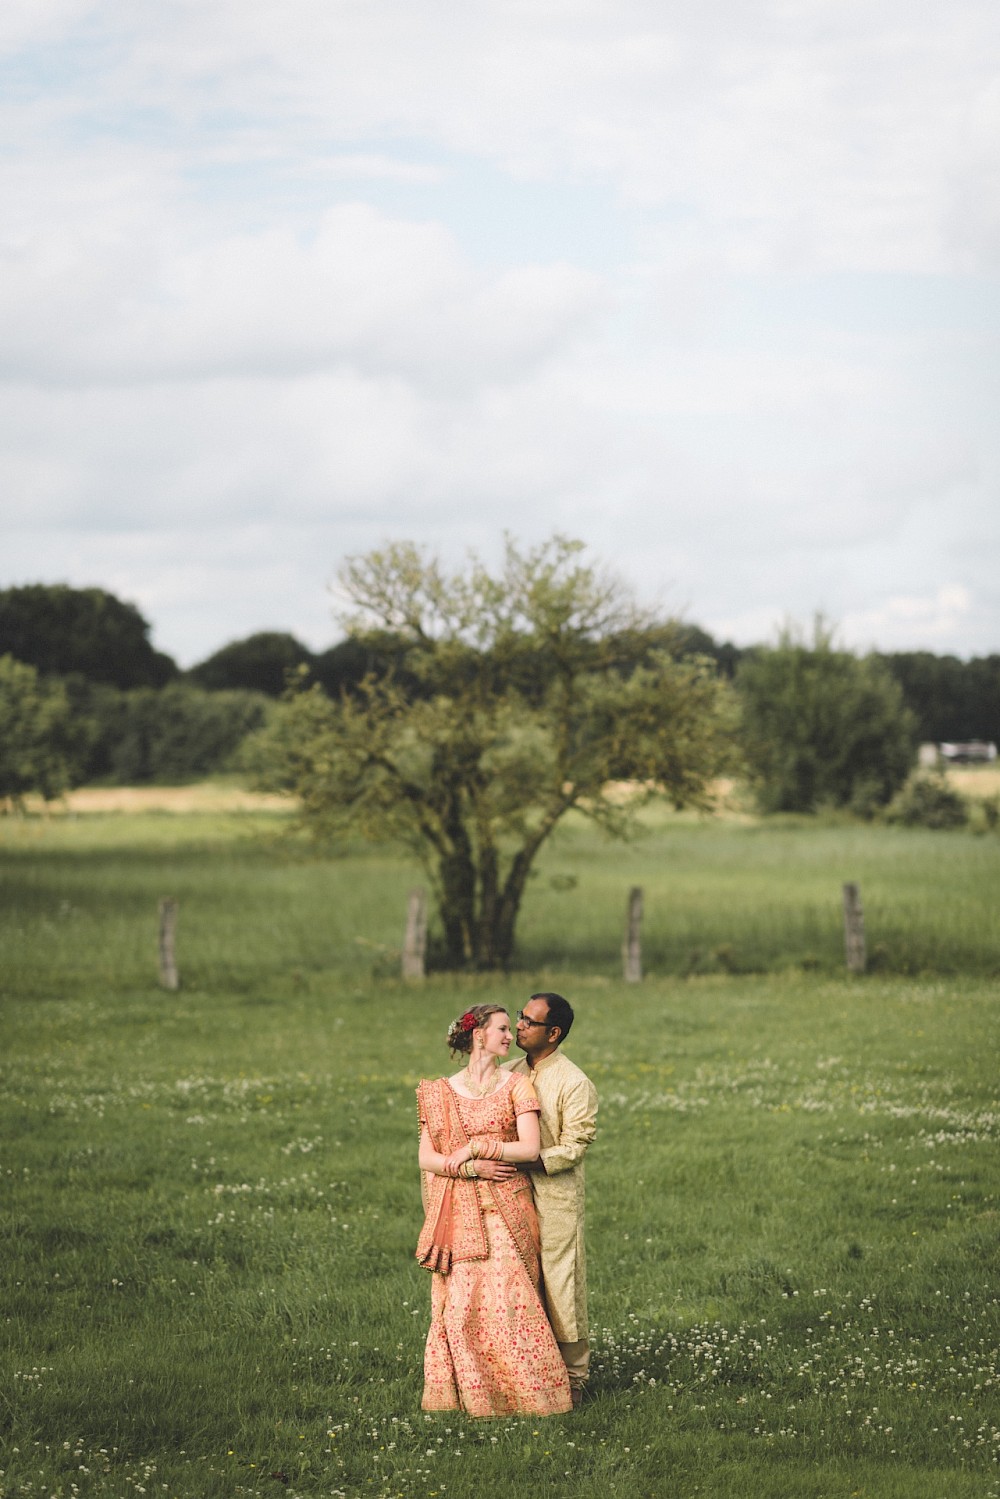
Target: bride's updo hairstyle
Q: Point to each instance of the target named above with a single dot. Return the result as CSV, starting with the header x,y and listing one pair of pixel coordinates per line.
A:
x,y
460,1030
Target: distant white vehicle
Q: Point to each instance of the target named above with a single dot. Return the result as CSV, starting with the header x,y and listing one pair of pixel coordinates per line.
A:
x,y
973,752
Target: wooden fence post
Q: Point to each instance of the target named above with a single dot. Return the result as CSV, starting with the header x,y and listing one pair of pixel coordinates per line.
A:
x,y
168,934
631,947
854,929
415,941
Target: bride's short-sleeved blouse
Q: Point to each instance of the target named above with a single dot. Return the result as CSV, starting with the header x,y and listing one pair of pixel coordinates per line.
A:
x,y
496,1114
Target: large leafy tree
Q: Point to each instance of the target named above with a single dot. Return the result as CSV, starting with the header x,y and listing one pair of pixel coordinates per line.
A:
x,y
260,663
951,699
503,700
34,734
175,735
822,726
62,631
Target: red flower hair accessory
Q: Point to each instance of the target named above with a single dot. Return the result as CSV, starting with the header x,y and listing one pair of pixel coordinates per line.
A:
x,y
466,1023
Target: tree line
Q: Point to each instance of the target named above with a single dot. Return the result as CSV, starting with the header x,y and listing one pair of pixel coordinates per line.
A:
x,y
89,634
103,705
85,697
98,647
465,714
950,699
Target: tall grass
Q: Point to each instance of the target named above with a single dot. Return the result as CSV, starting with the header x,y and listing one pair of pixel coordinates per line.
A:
x,y
759,896
719,897
81,899
210,1199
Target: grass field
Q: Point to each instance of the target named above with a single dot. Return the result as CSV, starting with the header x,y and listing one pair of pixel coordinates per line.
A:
x,y
210,1199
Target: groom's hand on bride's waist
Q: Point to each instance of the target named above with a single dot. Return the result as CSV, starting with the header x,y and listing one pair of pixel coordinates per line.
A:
x,y
495,1171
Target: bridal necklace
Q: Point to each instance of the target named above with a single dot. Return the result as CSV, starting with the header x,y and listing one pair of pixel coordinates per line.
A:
x,y
481,1089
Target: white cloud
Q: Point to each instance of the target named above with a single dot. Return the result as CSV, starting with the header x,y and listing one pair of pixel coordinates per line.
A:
x,y
139,292
28,22
362,164
256,310
935,620
802,135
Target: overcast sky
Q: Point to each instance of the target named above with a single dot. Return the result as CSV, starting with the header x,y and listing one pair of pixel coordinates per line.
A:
x,y
709,284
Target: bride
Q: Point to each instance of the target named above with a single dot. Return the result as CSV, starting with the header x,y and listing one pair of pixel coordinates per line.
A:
x,y
490,1349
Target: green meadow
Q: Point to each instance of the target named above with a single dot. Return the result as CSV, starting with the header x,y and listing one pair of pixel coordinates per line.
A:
x,y
210,1198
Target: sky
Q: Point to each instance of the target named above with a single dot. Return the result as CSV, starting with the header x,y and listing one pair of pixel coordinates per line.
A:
x,y
710,285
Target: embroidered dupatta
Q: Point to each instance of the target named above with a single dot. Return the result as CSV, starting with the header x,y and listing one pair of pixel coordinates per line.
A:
x,y
453,1227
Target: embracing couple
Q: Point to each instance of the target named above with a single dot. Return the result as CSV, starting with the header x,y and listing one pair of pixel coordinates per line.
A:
x,y
501,1152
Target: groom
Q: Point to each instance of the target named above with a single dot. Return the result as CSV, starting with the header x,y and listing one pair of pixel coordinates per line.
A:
x,y
568,1125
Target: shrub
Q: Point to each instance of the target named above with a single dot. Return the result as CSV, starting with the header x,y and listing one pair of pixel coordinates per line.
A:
x,y
181,733
176,734
927,801
34,733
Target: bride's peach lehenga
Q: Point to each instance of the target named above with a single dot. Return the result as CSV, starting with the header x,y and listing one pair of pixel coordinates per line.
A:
x,y
490,1349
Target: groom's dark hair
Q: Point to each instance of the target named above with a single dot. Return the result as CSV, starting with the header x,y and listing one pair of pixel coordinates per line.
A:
x,y
560,1013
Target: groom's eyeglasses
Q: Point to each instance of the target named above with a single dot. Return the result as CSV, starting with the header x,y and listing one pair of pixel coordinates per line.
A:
x,y
527,1020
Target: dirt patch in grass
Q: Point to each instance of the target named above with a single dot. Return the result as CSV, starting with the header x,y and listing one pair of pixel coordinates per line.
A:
x,y
975,780
204,797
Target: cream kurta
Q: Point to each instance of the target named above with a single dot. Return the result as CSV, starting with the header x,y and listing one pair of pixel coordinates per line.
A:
x,y
568,1125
